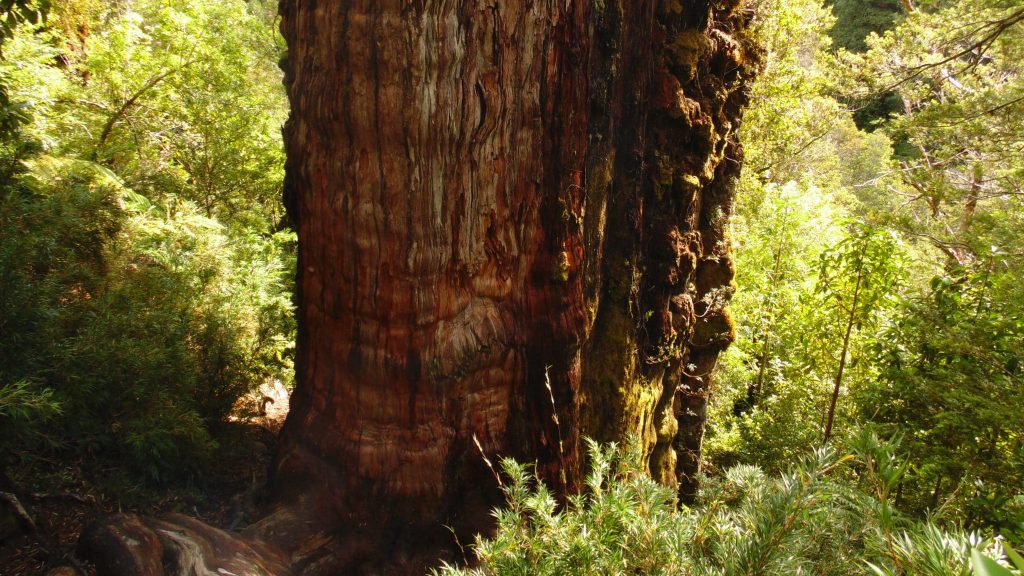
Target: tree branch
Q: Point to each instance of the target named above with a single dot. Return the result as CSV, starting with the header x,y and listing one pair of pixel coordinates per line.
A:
x,y
980,45
127,105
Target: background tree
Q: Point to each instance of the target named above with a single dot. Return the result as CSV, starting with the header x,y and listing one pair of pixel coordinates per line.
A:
x,y
857,275
936,173
810,172
856,20
946,376
12,13
950,366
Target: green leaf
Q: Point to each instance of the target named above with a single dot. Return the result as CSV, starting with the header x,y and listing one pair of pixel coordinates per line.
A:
x,y
876,570
985,566
1013,556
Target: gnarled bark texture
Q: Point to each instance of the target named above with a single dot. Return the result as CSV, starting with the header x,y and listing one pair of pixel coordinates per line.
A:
x,y
511,221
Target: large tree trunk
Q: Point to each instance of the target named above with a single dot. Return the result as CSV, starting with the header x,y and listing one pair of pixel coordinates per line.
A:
x,y
511,222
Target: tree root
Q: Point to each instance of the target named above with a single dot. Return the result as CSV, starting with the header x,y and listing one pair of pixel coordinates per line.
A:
x,y
130,545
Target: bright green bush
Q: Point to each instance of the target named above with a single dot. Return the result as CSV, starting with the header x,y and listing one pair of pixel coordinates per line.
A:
x,y
828,514
145,323
950,373
46,276
146,277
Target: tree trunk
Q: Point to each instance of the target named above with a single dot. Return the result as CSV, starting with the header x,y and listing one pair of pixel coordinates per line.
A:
x,y
489,197
843,353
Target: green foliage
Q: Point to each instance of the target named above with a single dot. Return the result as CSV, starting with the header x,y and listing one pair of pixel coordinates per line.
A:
x,y
861,271
934,343
828,514
24,410
857,19
790,113
985,566
950,373
814,185
957,69
146,286
19,402
948,362
15,12
785,230
180,99
624,521
148,321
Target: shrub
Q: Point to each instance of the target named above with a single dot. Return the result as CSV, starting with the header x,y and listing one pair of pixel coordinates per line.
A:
x,y
828,514
147,322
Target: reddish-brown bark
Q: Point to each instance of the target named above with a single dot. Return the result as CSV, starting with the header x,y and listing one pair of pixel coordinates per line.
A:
x,y
432,154
511,221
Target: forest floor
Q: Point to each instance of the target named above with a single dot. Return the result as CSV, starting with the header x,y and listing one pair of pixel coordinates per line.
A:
x,y
65,496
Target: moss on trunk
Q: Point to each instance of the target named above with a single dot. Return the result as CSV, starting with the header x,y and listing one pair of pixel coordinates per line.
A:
x,y
673,79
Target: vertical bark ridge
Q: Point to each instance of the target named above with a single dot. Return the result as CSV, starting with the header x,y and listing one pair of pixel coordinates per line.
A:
x,y
719,82
435,175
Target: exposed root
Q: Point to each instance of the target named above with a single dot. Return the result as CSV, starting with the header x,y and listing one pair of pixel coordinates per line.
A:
x,y
130,545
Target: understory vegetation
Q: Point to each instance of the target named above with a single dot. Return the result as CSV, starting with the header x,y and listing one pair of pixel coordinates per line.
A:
x,y
878,246
146,286
826,513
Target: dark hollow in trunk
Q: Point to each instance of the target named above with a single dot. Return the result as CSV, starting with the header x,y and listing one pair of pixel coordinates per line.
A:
x,y
512,232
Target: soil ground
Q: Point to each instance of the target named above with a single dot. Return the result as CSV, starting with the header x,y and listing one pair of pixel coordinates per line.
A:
x,y
64,496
